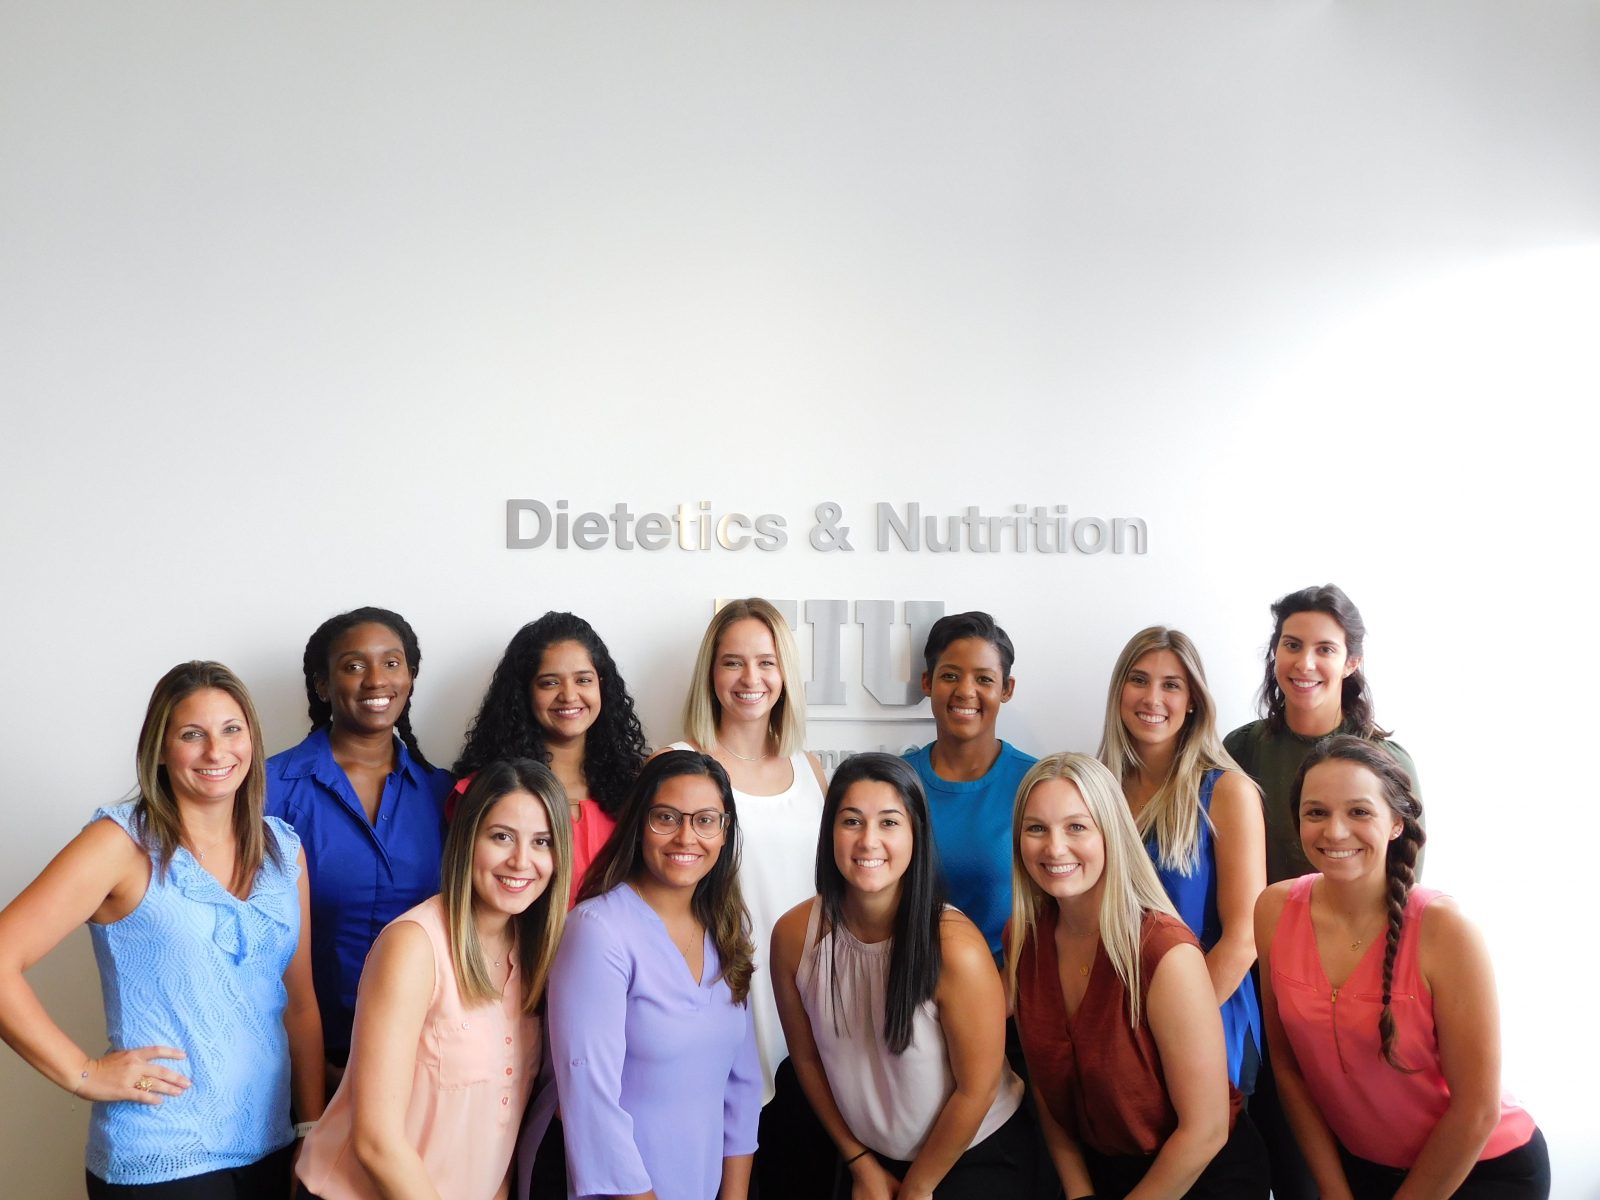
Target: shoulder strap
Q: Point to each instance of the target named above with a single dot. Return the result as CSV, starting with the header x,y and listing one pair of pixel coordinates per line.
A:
x,y
813,924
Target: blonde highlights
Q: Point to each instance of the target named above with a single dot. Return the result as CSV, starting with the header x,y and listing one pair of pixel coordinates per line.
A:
x,y
1129,886
156,817
702,710
537,929
1174,813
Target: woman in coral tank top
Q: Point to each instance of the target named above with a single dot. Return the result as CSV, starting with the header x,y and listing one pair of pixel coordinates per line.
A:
x,y
1387,1061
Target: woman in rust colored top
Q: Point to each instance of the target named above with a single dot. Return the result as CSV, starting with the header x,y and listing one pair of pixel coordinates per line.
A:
x,y
1117,1016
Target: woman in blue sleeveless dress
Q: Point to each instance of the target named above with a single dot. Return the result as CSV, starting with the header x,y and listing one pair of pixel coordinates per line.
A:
x,y
196,905
1199,815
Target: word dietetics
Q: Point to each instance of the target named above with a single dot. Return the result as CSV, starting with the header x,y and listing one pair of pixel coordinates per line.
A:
x,y
1045,529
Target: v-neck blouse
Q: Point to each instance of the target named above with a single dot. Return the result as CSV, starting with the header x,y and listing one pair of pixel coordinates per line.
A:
x,y
658,1075
1377,1112
1100,1077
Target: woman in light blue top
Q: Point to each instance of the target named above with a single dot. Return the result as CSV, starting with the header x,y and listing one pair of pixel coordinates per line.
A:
x,y
1200,818
651,1034
196,904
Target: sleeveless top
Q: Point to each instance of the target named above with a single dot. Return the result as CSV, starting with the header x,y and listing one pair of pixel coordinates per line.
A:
x,y
1101,1078
890,1101
1377,1112
778,872
195,967
1195,897
475,1070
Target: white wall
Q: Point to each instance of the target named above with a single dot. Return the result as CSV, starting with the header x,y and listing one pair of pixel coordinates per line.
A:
x,y
293,297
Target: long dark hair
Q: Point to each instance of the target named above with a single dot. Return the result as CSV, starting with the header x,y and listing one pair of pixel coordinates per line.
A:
x,y
718,904
316,667
614,748
1401,860
916,957
538,927
1355,697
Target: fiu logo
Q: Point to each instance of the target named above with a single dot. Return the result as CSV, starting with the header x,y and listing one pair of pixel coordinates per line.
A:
x,y
828,618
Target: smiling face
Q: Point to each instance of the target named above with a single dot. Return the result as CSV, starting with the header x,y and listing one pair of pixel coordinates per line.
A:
x,y
682,858
368,681
565,691
967,690
1346,825
872,837
1062,848
1310,663
206,749
745,675
1155,698
513,855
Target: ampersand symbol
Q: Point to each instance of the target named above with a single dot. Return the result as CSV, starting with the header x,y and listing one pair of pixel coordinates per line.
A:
x,y
829,534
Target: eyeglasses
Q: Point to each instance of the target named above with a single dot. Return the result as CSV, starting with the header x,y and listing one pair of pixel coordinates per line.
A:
x,y
707,824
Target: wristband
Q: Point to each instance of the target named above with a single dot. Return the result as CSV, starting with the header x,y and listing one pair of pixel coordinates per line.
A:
x,y
82,1075
303,1128
863,1154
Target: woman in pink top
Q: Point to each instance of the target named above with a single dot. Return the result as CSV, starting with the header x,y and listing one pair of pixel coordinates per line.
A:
x,y
1388,1062
558,698
446,1043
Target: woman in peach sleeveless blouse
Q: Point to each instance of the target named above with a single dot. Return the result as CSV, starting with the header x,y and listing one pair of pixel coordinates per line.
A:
x,y
446,1043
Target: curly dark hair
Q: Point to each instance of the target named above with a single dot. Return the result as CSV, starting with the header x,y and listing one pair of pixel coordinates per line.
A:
x,y
315,665
505,727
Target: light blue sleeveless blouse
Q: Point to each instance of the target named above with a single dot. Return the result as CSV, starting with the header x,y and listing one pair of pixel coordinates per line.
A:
x,y
197,968
1195,897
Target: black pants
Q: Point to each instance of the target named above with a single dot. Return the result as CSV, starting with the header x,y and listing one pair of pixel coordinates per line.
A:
x,y
1001,1167
264,1179
548,1180
796,1159
1520,1174
1238,1172
1291,1174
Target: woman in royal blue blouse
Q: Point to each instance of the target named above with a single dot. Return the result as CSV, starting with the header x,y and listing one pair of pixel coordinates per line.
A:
x,y
368,807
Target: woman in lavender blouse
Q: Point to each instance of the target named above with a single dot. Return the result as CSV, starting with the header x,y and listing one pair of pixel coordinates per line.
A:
x,y
650,1027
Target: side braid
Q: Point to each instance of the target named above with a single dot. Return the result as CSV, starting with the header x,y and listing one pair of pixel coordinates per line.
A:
x,y
1401,862
403,728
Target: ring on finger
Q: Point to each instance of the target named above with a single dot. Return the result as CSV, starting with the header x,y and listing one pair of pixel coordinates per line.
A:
x,y
145,1084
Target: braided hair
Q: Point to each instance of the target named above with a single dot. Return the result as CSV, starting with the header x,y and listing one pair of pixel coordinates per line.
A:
x,y
316,667
1400,862
614,749
1355,696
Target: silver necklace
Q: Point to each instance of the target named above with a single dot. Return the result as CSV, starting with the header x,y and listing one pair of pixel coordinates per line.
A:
x,y
742,758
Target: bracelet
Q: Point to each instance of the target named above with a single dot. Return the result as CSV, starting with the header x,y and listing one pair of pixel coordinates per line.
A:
x,y
303,1128
863,1154
82,1075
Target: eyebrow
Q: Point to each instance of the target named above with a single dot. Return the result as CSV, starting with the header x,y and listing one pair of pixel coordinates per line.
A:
x,y
863,812
395,650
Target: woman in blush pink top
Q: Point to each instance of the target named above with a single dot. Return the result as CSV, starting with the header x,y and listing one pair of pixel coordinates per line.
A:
x,y
1387,1060
446,1043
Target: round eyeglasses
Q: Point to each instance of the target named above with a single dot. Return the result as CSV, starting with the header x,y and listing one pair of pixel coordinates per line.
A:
x,y
708,823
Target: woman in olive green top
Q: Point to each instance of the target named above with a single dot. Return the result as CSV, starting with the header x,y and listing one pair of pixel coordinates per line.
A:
x,y
1314,687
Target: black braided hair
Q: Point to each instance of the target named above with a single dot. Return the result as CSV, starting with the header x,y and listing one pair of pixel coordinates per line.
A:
x,y
505,727
316,667
1401,860
1355,696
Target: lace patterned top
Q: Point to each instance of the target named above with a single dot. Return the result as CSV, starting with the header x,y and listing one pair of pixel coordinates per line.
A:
x,y
197,968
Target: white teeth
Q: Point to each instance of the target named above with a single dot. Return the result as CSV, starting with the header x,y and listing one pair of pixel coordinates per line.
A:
x,y
1152,718
1340,853
749,697
213,772
1060,868
870,862
963,712
1305,685
379,703
512,885
683,858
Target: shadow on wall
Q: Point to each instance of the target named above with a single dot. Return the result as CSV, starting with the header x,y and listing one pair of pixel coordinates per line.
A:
x,y
68,986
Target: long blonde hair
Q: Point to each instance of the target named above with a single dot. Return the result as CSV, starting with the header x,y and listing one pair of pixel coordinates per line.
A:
x,y
1129,886
702,710
1173,814
156,817
538,928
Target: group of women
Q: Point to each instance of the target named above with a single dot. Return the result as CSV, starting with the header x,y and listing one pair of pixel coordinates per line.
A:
x,y
569,967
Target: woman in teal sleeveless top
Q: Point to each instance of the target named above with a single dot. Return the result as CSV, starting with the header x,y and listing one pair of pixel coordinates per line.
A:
x,y
196,905
1200,818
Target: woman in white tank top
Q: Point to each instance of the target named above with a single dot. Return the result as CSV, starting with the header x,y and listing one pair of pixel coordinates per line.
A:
x,y
746,709
893,1008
